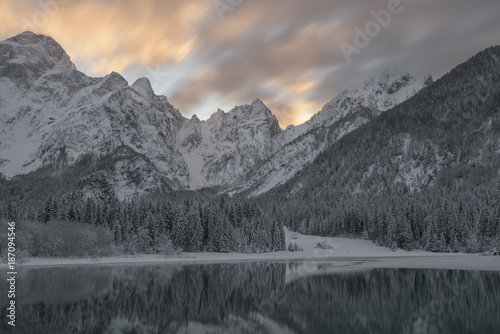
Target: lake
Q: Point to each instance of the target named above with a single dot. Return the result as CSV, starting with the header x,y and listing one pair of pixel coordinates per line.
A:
x,y
252,297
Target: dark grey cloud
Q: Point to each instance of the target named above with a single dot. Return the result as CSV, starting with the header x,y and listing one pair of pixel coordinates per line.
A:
x,y
290,42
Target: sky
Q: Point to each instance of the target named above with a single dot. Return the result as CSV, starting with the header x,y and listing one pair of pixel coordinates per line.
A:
x,y
294,55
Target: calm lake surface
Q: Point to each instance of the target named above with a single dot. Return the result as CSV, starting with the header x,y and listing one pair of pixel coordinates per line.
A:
x,y
252,298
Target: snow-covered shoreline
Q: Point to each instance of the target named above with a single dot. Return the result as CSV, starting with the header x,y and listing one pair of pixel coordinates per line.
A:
x,y
345,253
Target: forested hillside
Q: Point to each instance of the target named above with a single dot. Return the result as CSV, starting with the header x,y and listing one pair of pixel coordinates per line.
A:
x,y
423,175
72,227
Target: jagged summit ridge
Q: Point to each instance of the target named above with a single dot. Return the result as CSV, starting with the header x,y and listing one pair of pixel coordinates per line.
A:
x,y
223,150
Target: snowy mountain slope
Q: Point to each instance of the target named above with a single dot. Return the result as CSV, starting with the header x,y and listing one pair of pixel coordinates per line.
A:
x,y
223,150
124,173
54,115
380,93
353,108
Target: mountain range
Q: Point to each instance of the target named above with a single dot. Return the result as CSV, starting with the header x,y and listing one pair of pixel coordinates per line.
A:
x,y
445,137
101,136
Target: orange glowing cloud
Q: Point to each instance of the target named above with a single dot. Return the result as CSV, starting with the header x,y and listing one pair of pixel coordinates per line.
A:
x,y
294,112
112,35
294,108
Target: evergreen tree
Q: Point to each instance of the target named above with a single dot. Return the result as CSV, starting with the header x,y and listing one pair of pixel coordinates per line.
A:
x,y
194,231
179,230
226,243
88,213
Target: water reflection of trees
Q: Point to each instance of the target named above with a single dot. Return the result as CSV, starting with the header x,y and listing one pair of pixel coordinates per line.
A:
x,y
395,301
166,298
154,297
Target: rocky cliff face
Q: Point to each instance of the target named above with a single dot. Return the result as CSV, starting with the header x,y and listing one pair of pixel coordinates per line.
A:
x,y
54,115
223,150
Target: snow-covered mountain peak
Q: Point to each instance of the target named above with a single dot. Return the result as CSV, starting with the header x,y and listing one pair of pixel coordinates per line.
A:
x,y
257,111
53,116
258,102
116,77
382,92
143,87
195,119
390,82
223,150
112,82
258,107
43,44
389,76
216,116
378,94
26,57
252,115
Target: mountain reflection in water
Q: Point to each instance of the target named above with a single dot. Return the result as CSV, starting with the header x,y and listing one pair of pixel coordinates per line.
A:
x,y
252,298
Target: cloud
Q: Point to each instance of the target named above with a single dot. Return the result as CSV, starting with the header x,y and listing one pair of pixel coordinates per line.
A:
x,y
285,52
105,36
